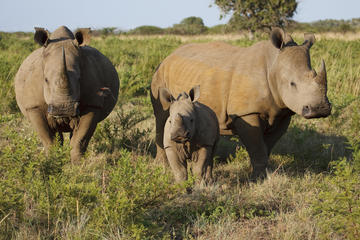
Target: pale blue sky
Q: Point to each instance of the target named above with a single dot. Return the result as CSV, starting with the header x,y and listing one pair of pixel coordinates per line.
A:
x,y
23,15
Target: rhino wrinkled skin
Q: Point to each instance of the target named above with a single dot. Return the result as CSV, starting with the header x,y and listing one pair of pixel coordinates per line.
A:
x,y
191,133
66,86
254,91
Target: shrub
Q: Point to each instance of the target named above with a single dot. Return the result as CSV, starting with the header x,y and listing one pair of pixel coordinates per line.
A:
x,y
338,203
189,26
121,131
132,189
147,30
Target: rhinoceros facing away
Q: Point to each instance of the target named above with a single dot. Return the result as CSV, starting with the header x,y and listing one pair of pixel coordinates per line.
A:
x,y
254,91
191,133
66,86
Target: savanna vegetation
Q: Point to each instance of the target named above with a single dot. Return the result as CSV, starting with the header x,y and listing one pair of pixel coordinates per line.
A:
x,y
118,190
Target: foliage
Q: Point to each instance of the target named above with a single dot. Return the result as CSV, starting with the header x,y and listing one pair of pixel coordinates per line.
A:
x,y
146,30
338,203
135,60
50,196
122,131
328,25
132,189
218,29
255,15
189,26
14,48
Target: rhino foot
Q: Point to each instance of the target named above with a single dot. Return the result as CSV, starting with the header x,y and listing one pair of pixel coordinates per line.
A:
x,y
259,173
161,156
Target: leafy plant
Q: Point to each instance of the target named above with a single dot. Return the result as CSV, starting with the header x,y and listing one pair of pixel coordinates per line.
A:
x,y
255,15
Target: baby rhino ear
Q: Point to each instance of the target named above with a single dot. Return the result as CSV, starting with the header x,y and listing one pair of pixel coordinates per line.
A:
x,y
194,93
165,97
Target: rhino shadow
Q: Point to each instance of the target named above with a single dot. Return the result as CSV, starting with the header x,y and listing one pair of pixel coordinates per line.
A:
x,y
297,151
309,150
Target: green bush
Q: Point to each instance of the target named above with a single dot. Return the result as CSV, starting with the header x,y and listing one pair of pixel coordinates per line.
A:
x,y
147,30
136,60
189,26
49,196
14,48
337,206
121,131
132,188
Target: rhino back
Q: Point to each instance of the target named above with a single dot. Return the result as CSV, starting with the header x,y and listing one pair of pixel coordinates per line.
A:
x,y
98,73
29,83
233,80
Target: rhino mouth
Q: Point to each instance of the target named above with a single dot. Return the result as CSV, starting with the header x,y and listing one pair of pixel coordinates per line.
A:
x,y
319,111
64,110
181,139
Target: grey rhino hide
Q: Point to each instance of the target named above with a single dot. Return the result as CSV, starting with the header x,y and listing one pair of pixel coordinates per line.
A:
x,y
191,132
254,91
61,87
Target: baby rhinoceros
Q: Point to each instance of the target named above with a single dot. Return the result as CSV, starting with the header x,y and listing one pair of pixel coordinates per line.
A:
x,y
191,133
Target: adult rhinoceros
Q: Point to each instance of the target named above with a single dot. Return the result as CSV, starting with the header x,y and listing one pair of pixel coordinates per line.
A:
x,y
66,86
254,91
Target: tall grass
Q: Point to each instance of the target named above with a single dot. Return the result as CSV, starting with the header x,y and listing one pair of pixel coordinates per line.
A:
x,y
118,191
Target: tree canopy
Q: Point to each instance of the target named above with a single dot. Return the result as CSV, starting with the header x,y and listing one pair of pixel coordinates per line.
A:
x,y
257,14
190,25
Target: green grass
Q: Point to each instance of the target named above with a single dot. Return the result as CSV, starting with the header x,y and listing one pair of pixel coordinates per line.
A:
x,y
118,191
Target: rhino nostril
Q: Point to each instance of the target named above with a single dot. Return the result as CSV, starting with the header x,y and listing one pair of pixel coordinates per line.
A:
x,y
306,110
50,108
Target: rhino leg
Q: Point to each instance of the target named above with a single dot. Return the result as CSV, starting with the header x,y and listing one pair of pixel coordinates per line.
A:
x,y
249,130
275,134
203,165
177,163
82,134
161,117
41,126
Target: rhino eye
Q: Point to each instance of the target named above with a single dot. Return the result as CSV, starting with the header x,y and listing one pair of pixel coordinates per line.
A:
x,y
293,84
191,120
46,80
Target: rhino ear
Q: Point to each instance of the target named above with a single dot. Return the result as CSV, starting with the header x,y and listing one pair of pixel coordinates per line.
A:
x,y
309,39
41,36
165,98
277,37
194,93
82,36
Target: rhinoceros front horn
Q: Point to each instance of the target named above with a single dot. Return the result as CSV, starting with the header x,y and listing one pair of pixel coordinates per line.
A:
x,y
64,77
321,76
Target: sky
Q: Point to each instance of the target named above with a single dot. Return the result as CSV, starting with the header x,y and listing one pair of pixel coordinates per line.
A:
x,y
24,15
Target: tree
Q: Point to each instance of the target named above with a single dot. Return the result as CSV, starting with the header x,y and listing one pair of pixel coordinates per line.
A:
x,y
257,14
190,26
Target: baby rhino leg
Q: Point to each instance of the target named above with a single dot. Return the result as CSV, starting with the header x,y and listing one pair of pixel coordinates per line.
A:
x,y
203,165
177,163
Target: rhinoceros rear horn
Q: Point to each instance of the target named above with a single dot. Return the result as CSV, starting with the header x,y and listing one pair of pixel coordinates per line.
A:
x,y
41,36
309,39
321,76
82,36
